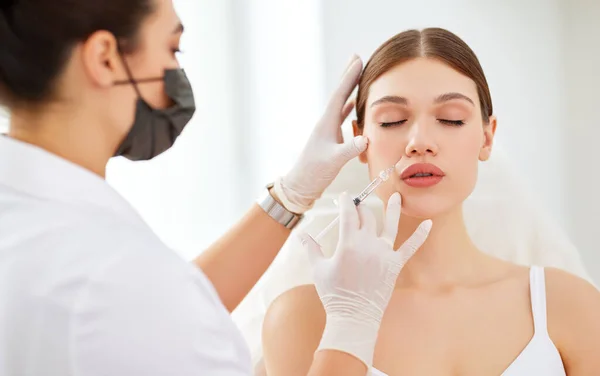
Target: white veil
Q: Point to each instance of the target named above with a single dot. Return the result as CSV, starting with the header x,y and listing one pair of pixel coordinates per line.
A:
x,y
501,216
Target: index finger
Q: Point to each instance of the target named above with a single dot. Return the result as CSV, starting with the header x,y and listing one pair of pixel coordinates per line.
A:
x,y
345,88
349,219
392,217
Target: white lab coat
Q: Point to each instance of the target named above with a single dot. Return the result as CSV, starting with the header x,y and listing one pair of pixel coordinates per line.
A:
x,y
86,288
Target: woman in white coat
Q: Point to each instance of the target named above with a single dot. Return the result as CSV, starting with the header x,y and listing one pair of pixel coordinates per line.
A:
x,y
86,288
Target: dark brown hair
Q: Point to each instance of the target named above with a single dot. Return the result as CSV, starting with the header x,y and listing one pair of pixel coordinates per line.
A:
x,y
37,38
433,43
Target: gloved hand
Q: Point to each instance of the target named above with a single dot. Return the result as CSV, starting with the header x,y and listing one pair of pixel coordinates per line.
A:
x,y
356,284
325,152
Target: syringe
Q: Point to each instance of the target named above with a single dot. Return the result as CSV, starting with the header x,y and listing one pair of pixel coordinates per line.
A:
x,y
382,177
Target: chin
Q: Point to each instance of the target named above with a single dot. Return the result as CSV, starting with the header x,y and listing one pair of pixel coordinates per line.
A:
x,y
427,207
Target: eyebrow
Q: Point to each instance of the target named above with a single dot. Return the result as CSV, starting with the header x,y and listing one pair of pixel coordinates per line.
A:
x,y
451,96
390,99
178,29
439,99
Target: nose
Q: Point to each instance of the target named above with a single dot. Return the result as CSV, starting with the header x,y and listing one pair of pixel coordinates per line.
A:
x,y
420,141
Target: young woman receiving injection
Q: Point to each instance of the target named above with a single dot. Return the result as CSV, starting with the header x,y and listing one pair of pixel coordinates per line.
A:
x,y
423,99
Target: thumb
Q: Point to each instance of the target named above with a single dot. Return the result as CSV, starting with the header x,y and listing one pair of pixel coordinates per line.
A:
x,y
416,240
352,149
312,247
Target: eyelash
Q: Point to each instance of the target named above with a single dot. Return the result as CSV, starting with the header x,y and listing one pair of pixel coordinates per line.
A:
x,y
176,50
456,123
387,125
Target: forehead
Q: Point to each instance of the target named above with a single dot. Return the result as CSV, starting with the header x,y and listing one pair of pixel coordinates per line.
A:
x,y
421,80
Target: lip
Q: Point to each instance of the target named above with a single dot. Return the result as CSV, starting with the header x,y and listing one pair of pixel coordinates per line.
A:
x,y
408,173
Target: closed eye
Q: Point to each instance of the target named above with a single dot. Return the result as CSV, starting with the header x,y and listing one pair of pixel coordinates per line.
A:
x,y
395,123
452,122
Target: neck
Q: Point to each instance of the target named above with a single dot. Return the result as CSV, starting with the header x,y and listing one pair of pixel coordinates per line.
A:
x,y
448,257
64,132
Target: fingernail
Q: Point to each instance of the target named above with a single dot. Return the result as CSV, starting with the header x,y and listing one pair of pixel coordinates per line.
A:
x,y
427,225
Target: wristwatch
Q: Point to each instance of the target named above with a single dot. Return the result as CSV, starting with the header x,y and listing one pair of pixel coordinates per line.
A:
x,y
277,211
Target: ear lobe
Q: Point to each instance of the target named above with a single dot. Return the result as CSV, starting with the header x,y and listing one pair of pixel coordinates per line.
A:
x,y
362,157
489,131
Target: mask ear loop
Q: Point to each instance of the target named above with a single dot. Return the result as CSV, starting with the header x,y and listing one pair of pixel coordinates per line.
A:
x,y
129,75
130,79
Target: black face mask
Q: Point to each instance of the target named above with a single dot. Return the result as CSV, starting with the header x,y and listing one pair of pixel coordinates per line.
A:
x,y
155,130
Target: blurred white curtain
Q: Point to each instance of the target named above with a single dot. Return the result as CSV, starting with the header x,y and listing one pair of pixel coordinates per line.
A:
x,y
256,69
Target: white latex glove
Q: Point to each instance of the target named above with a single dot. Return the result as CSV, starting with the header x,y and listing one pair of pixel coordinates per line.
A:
x,y
356,283
325,152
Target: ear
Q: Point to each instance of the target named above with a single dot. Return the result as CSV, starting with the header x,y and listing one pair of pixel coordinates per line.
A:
x,y
489,130
101,59
362,157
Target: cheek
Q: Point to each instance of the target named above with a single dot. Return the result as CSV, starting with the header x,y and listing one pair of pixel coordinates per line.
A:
x,y
151,63
154,94
385,150
463,161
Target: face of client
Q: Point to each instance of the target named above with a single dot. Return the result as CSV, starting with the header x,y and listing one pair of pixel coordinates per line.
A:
x,y
422,111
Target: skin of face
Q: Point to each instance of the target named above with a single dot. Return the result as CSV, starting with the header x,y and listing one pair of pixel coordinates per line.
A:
x,y
423,111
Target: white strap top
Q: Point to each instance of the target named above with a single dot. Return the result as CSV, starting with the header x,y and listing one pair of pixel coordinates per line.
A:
x,y
540,356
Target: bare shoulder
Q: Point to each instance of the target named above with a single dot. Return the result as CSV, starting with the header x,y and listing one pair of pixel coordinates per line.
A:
x,y
292,330
569,295
573,306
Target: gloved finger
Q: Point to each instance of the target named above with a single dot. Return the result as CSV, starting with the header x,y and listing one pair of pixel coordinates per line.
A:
x,y
349,220
348,107
312,248
392,217
345,112
367,219
351,149
416,240
342,93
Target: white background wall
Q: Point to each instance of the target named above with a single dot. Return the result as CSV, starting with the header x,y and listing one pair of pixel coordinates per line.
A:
x,y
262,70
580,130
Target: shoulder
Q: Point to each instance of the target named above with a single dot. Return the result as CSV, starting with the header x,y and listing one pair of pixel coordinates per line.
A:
x,y
569,295
292,330
573,306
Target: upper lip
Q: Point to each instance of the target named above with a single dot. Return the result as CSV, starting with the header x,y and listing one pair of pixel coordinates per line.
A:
x,y
421,168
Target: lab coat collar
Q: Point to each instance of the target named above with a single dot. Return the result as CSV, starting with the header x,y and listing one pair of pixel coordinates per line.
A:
x,y
34,171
